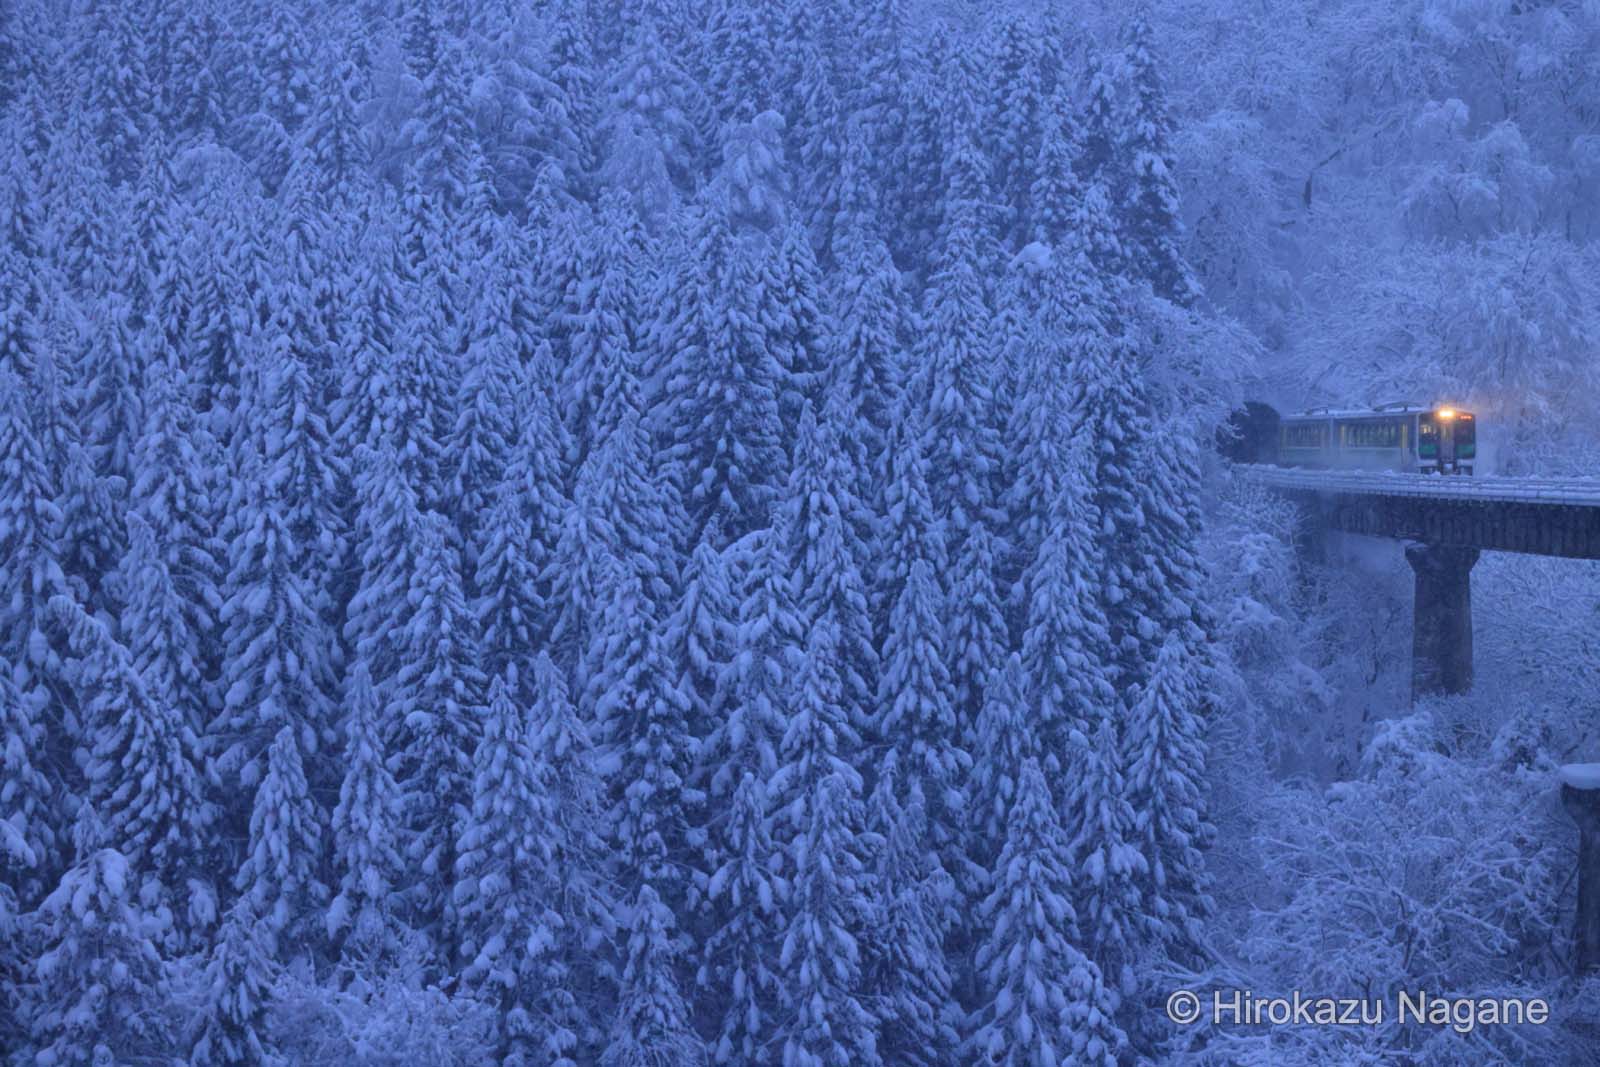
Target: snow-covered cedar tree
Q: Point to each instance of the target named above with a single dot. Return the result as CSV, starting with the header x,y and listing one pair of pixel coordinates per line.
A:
x,y
954,386
143,776
92,988
818,743
1043,1001
641,730
769,645
743,894
1110,409
1065,646
826,556
388,531
867,350
1039,443
650,142
112,412
976,638
27,840
622,518
799,332
584,897
29,817
653,1021
824,1020
1165,755
905,959
516,539
918,719
159,630
721,384
30,562
908,530
1111,919
478,447
599,314
362,919
298,463
1004,742
702,633
173,461
1016,109
1152,218
237,987
435,710
278,667
280,877
504,899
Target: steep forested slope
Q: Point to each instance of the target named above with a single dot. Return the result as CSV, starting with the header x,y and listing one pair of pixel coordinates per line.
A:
x,y
572,533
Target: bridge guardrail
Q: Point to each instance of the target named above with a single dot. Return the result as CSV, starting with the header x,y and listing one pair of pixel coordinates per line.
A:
x,y
1570,492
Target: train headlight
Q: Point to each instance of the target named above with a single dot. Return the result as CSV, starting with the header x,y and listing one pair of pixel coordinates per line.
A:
x,y
1447,413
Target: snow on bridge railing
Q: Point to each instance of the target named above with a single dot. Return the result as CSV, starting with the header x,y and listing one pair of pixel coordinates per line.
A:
x,y
1571,492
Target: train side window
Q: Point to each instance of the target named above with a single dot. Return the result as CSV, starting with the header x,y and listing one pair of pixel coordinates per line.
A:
x,y
1304,435
1369,434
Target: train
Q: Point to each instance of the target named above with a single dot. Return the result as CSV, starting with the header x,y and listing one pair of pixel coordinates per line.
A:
x,y
1404,436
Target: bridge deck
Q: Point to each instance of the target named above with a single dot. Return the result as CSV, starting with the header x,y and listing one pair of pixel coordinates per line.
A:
x,y
1542,516
1568,492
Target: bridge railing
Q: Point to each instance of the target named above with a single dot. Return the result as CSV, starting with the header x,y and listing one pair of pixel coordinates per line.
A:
x,y
1571,492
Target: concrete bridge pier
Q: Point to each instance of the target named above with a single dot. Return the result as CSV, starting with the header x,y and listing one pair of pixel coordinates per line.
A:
x,y
1441,625
1580,795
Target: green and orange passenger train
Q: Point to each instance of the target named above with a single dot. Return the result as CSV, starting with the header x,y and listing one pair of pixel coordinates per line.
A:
x,y
1408,437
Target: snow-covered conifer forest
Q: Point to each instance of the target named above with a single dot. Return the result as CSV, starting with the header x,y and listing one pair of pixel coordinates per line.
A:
x,y
689,532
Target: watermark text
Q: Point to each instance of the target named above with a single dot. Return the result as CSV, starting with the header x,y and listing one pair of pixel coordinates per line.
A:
x,y
1463,1014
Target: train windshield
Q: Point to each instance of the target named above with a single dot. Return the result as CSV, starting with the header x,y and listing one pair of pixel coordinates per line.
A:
x,y
1427,438
1466,436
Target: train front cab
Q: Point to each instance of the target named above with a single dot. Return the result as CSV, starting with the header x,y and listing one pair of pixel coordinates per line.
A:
x,y
1447,441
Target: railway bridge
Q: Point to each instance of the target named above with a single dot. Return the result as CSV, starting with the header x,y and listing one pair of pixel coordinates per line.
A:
x,y
1446,522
